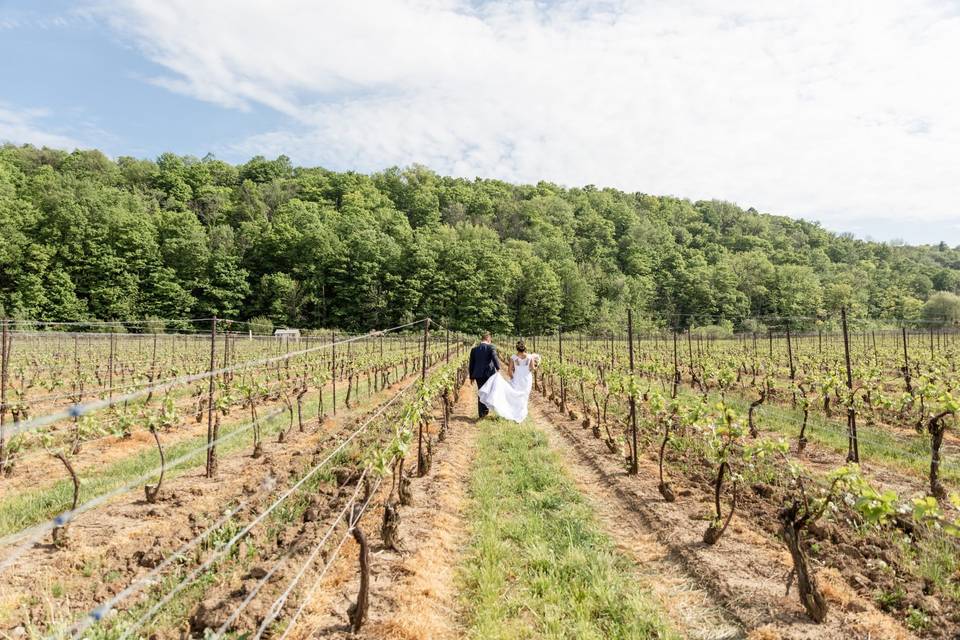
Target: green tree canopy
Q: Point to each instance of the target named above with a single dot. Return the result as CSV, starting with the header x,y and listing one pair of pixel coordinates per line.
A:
x,y
85,236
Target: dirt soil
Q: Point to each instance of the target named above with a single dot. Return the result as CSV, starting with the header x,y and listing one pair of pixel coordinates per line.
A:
x,y
744,573
413,593
37,469
106,546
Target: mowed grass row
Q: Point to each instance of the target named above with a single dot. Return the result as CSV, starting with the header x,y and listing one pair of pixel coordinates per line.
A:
x,y
538,565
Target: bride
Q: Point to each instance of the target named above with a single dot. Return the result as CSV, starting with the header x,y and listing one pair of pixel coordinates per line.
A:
x,y
509,397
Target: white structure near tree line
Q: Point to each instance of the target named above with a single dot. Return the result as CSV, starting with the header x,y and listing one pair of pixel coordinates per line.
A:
x,y
287,333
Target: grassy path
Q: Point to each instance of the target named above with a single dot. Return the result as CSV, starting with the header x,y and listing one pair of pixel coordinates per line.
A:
x,y
538,565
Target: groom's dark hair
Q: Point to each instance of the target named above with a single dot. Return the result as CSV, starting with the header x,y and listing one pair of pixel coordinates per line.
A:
x,y
485,335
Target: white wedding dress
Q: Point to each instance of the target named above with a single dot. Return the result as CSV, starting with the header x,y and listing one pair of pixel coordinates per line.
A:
x,y
509,398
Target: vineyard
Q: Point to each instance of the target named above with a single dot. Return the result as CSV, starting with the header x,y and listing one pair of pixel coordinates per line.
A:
x,y
139,470
212,482
841,446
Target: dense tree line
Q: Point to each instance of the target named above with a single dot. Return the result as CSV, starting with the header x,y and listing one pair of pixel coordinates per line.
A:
x,y
87,237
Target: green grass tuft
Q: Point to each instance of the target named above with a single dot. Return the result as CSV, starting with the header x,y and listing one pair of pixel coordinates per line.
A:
x,y
538,565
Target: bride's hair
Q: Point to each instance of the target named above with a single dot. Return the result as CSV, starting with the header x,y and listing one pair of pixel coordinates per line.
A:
x,y
520,346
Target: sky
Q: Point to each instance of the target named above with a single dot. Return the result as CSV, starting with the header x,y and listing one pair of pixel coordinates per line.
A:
x,y
841,112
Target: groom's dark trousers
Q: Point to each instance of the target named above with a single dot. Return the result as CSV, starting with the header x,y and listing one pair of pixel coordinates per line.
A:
x,y
483,364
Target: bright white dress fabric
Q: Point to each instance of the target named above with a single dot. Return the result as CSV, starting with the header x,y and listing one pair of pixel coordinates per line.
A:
x,y
509,398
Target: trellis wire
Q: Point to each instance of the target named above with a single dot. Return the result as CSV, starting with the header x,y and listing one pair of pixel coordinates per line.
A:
x,y
227,545
34,533
77,411
100,611
276,566
278,604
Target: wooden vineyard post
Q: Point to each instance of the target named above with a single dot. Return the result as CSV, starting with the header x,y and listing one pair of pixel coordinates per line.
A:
x,y
333,369
906,362
226,348
421,462
110,368
634,462
793,371
853,450
448,346
211,434
676,366
4,376
563,389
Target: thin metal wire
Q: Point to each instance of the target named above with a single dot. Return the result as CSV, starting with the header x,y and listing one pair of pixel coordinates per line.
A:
x,y
100,611
280,562
76,411
278,604
34,533
227,545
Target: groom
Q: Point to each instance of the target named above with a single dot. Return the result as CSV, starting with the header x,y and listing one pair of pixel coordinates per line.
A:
x,y
483,364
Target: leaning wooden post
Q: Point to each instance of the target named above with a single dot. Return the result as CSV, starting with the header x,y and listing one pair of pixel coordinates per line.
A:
x,y
421,462
634,462
211,436
853,450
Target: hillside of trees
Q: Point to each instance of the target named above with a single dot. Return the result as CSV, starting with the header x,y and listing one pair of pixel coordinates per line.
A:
x,y
86,237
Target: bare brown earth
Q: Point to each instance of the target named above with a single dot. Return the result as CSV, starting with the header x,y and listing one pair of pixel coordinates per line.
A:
x,y
413,593
732,590
37,469
745,573
106,546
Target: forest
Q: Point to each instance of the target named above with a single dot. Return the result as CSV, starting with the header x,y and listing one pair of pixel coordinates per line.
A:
x,y
86,237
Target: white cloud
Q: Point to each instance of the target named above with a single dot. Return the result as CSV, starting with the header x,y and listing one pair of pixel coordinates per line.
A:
x,y
24,126
842,111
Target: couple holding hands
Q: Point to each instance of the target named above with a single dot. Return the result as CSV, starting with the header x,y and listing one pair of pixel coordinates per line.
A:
x,y
508,398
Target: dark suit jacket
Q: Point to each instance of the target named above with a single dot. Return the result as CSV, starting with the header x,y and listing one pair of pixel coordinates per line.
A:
x,y
483,361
